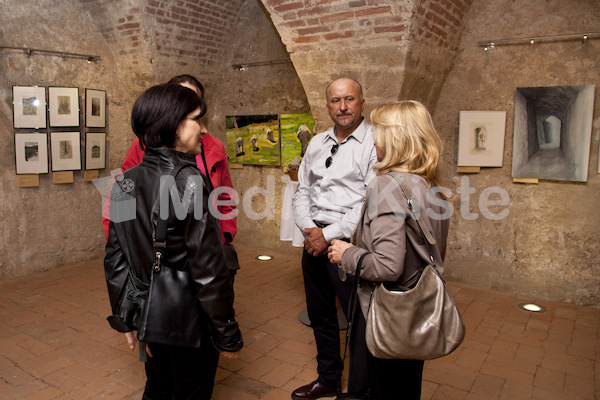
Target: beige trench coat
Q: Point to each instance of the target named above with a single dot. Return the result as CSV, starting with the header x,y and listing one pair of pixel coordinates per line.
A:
x,y
389,233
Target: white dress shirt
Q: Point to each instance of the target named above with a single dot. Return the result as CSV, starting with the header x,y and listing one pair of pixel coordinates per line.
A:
x,y
334,195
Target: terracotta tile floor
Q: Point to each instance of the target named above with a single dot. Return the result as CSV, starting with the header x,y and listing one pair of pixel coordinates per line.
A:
x,y
56,344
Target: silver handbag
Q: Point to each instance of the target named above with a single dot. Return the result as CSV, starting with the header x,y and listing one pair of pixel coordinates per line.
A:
x,y
421,323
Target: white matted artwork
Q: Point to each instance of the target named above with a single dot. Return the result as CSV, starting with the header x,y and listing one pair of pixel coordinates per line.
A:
x,y
481,138
95,108
63,104
95,150
31,153
66,151
29,106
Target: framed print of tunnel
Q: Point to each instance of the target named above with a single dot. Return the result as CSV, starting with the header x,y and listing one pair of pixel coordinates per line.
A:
x,y
552,132
253,139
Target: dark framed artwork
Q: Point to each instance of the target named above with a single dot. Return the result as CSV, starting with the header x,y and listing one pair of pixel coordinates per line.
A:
x,y
63,104
31,153
95,108
95,150
552,132
253,139
29,107
65,148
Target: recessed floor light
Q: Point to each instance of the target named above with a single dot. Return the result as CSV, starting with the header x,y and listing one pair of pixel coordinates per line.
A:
x,y
532,307
264,257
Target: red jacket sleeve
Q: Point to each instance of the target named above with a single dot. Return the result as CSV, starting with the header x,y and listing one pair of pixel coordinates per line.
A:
x,y
227,225
134,155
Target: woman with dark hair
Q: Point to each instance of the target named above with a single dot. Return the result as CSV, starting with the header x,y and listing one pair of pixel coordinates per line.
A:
x,y
166,120
212,162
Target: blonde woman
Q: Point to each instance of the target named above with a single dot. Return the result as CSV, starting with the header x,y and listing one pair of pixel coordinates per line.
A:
x,y
408,148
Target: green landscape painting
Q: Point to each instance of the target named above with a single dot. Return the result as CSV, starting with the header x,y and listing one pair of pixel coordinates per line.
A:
x,y
268,139
253,139
296,132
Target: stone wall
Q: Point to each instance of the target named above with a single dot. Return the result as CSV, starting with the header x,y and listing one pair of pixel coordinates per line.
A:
x,y
547,246
426,50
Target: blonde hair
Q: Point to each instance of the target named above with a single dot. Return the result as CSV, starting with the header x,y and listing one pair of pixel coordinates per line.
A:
x,y
405,134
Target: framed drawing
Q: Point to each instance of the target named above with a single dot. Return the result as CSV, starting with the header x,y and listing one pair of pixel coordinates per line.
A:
x,y
66,151
31,153
481,138
29,106
95,150
95,108
253,139
63,104
552,132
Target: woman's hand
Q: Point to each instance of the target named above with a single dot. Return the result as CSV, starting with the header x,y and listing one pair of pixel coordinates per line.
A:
x,y
336,250
132,340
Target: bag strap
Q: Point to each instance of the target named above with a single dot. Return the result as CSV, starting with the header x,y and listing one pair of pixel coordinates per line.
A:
x,y
429,240
353,301
423,228
159,242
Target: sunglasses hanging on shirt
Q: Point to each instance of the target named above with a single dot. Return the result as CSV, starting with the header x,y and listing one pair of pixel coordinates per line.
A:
x,y
329,160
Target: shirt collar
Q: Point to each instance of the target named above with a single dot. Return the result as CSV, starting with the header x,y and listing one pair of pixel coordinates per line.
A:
x,y
358,134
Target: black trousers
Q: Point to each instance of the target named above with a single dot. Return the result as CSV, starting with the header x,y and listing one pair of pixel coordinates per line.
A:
x,y
180,373
322,284
383,379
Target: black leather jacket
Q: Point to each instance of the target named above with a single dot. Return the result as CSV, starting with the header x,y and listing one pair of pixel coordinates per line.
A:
x,y
193,241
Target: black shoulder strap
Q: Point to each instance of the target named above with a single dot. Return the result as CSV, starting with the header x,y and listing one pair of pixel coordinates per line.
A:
x,y
160,234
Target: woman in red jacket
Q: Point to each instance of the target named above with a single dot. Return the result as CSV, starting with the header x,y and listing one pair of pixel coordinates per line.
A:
x,y
212,159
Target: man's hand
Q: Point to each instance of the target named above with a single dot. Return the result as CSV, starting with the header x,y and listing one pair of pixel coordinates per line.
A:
x,y
315,243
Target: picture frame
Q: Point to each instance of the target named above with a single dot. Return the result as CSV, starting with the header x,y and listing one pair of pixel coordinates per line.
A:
x,y
296,133
95,150
65,149
481,138
31,153
552,132
29,107
95,108
253,139
63,105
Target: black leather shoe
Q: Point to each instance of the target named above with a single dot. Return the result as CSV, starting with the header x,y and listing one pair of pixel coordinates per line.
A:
x,y
314,390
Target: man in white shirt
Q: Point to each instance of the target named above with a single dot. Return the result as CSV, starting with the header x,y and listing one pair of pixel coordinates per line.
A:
x,y
333,178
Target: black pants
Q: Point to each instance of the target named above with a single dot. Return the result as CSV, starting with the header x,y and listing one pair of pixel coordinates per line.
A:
x,y
178,373
383,379
322,284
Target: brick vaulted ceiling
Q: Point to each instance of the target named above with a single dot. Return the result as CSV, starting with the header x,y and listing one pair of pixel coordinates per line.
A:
x,y
397,48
